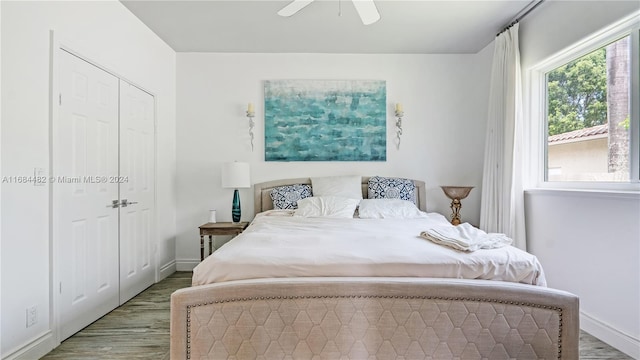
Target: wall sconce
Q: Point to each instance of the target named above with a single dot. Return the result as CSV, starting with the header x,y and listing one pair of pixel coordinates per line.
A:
x,y
251,114
399,115
456,193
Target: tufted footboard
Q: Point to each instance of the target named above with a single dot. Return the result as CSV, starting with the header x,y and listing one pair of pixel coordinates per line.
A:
x,y
361,318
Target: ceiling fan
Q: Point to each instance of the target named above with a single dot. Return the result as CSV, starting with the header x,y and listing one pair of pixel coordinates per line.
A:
x,y
366,9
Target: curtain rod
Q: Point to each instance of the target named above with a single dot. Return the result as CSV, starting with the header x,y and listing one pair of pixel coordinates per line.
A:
x,y
521,15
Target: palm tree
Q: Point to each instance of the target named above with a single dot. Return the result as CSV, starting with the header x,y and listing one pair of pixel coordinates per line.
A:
x,y
618,69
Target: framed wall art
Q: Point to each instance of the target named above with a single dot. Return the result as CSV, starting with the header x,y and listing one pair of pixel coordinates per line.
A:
x,y
325,120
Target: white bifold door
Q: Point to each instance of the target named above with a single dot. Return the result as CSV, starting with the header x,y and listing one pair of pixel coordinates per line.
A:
x,y
136,190
103,180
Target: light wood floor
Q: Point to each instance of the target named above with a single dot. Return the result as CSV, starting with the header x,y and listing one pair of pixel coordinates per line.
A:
x,y
139,329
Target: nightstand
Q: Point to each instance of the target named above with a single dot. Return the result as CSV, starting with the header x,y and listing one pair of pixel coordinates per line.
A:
x,y
219,228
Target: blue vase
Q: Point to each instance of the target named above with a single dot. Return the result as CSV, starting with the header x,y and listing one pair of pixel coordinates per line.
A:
x,y
235,208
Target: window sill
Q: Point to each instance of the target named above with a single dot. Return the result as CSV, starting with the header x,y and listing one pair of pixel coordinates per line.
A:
x,y
597,193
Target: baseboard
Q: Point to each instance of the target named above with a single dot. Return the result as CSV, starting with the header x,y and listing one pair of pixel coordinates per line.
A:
x,y
35,349
166,270
186,264
611,336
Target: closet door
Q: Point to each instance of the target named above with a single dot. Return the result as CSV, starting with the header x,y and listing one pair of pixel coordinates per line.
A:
x,y
85,225
137,190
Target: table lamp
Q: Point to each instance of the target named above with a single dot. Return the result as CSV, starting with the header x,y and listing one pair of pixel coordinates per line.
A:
x,y
456,193
235,175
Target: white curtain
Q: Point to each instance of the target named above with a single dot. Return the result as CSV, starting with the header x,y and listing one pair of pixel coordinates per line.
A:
x,y
502,206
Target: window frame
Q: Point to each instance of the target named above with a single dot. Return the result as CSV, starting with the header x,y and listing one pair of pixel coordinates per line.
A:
x,y
628,26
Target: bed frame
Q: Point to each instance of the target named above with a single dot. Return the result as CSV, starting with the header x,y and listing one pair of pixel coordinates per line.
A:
x,y
262,192
371,317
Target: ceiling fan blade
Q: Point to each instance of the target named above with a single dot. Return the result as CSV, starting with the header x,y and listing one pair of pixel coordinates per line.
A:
x,y
294,7
367,11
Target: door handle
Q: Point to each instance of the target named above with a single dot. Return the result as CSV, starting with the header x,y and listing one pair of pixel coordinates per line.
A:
x,y
126,202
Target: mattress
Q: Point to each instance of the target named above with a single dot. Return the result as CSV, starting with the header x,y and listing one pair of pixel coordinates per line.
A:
x,y
278,245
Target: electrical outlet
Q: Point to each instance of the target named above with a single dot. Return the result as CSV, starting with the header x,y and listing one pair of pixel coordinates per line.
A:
x,y
32,316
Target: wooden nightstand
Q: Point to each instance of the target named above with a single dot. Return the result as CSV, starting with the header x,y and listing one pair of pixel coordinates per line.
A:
x,y
219,228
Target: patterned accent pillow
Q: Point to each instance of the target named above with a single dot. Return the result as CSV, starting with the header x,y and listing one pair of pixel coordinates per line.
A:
x,y
391,188
286,197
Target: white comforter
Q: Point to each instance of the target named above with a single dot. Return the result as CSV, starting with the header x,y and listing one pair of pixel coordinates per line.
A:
x,y
285,246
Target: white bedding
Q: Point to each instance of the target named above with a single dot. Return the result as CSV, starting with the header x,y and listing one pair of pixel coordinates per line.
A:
x,y
279,245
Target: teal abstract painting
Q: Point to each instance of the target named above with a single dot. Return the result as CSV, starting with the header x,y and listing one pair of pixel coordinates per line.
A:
x,y
325,120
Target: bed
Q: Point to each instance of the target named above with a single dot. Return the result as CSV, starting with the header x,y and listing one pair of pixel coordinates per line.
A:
x,y
264,295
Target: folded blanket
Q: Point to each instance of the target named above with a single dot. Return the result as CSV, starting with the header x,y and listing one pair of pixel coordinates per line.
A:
x,y
465,237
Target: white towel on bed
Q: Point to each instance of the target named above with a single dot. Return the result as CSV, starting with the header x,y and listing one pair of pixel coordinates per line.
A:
x,y
465,237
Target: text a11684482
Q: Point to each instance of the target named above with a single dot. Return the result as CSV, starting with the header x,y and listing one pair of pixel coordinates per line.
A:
x,y
85,179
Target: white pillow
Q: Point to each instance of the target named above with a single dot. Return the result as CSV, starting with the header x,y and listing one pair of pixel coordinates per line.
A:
x,y
388,209
342,186
327,206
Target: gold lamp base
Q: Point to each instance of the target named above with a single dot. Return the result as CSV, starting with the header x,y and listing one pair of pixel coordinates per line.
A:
x,y
456,193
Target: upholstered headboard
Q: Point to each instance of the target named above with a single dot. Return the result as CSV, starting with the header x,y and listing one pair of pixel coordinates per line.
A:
x,y
262,192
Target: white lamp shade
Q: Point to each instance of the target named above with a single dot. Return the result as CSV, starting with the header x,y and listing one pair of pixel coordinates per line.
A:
x,y
236,175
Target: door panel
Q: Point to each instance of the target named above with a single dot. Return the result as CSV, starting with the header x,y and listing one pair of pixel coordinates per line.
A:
x,y
85,147
137,270
79,277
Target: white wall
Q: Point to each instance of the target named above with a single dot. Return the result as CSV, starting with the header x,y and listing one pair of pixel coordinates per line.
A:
x,y
555,25
445,103
107,33
0,174
588,243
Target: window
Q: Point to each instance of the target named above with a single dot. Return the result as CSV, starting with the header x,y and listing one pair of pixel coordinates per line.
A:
x,y
589,110
588,116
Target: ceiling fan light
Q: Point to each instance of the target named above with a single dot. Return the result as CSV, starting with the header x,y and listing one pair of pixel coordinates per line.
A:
x,y
367,11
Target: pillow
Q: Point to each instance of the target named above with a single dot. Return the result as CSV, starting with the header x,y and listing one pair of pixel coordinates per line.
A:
x,y
341,186
286,197
388,209
391,188
326,206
